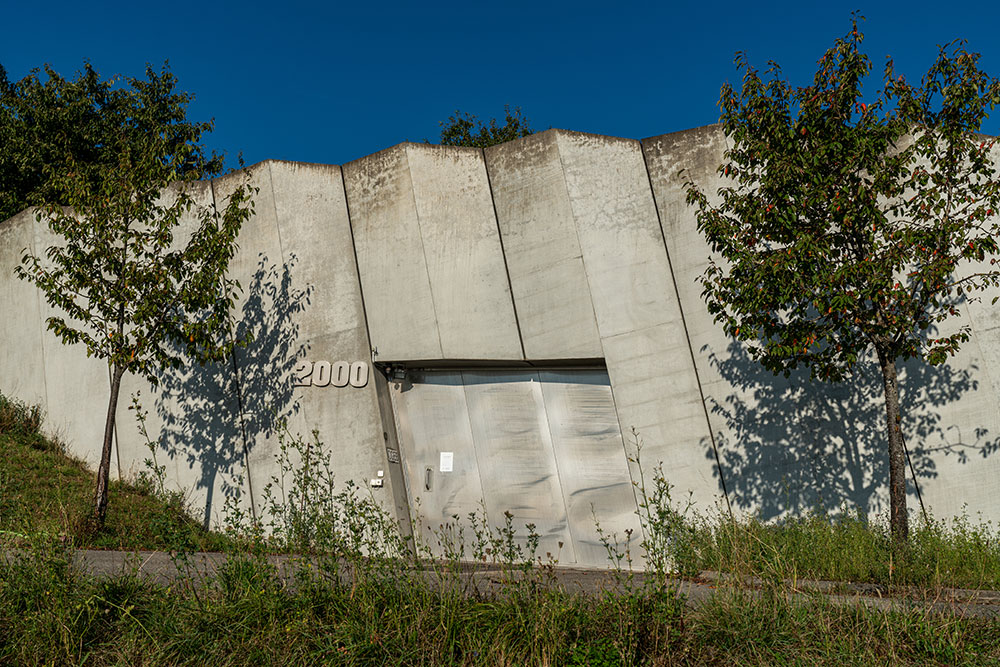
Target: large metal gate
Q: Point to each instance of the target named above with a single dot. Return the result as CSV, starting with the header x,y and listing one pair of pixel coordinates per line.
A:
x,y
544,446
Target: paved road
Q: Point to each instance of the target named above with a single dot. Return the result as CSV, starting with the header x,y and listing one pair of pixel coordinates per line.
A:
x,y
161,568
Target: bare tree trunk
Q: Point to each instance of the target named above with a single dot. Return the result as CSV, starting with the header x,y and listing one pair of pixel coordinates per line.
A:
x,y
898,519
104,469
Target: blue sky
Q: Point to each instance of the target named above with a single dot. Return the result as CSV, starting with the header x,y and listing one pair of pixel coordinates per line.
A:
x,y
335,81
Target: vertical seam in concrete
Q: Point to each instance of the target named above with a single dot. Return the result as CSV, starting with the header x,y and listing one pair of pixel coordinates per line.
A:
x,y
357,265
475,447
398,477
597,324
503,254
579,244
423,248
384,420
687,335
274,207
559,471
239,385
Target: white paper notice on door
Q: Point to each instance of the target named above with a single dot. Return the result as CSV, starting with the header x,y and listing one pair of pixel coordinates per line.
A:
x,y
447,461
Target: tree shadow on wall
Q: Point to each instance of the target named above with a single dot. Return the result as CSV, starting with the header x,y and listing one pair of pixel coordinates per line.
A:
x,y
796,444
213,415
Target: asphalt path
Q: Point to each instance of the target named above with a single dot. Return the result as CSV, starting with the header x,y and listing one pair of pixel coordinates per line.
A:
x,y
162,568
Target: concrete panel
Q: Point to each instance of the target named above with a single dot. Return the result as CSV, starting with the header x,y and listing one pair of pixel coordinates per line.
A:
x,y
433,417
517,462
621,242
951,422
266,314
543,253
638,317
22,370
699,152
593,468
329,323
429,254
465,264
656,395
791,444
391,259
77,388
193,417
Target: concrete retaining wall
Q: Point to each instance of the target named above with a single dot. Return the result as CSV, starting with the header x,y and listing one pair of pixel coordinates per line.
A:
x,y
556,248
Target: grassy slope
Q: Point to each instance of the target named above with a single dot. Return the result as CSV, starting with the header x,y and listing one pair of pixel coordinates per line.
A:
x,y
44,490
51,614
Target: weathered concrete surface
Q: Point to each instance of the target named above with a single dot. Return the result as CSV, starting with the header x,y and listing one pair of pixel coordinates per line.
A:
x,y
429,254
77,388
559,246
22,367
640,324
398,300
465,263
790,444
193,415
542,248
329,322
266,313
590,276
699,153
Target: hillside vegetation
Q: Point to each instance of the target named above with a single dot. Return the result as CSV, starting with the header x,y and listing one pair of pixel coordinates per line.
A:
x,y
368,596
45,491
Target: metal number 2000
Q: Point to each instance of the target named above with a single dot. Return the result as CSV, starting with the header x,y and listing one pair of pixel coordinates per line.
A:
x,y
323,374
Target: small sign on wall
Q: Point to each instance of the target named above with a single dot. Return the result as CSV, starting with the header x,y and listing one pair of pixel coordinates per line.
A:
x,y
447,462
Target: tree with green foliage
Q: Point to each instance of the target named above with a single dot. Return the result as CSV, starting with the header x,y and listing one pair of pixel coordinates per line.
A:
x,y
854,224
463,129
48,121
123,283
